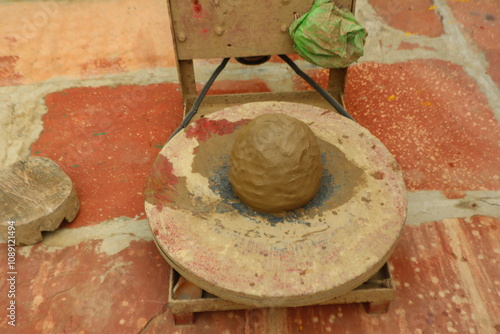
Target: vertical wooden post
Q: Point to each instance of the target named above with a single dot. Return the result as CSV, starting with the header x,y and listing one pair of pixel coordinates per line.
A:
x,y
338,77
336,83
187,81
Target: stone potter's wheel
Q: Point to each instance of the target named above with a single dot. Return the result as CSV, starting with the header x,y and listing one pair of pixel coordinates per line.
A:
x,y
327,248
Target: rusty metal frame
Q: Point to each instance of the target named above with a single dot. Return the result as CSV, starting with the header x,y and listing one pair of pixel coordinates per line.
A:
x,y
376,294
204,29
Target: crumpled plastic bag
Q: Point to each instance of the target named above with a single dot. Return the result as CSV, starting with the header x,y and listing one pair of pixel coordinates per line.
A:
x,y
328,36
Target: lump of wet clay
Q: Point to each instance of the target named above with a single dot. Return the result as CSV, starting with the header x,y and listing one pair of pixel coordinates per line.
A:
x,y
275,164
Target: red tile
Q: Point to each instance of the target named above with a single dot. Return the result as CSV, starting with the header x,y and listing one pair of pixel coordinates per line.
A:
x,y
433,118
412,16
446,274
450,269
318,75
78,289
106,140
447,281
480,22
245,321
480,243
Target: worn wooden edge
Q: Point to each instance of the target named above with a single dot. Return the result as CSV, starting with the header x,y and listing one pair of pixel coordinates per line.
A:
x,y
293,301
31,233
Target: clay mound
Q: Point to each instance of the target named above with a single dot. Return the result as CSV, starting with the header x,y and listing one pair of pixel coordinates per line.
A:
x,y
275,164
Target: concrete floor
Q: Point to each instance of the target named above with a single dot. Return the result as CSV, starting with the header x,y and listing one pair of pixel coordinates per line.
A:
x,y
92,85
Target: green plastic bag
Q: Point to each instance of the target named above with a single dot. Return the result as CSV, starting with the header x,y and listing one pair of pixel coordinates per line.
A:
x,y
328,36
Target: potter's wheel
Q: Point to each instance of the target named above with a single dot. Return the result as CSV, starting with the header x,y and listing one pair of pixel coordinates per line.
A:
x,y
327,248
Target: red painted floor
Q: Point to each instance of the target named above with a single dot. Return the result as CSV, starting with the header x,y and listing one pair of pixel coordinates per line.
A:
x,y
106,139
102,273
436,122
480,25
412,16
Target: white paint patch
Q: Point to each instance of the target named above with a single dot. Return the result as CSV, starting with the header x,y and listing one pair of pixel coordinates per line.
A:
x,y
429,206
24,251
116,235
401,312
37,301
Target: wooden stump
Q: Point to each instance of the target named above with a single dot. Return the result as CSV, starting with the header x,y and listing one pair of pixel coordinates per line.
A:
x,y
35,196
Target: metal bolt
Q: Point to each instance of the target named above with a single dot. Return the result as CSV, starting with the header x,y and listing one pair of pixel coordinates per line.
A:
x,y
181,37
219,30
284,27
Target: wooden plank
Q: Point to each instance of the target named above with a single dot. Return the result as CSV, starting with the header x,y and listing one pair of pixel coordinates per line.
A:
x,y
336,82
185,69
205,29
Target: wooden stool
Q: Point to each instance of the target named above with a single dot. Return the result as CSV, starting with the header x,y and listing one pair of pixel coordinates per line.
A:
x,y
35,196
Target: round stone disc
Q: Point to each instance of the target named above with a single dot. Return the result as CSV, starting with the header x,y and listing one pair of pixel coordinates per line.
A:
x,y
306,256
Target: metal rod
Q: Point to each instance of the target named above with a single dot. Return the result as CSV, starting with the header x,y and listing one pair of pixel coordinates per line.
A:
x,y
317,87
200,97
